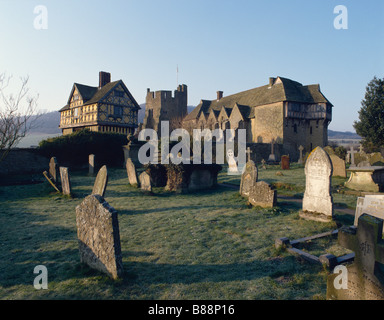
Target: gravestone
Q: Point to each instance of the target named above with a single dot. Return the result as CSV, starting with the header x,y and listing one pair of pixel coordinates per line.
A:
x,y
363,163
272,156
364,278
262,195
369,179
91,164
248,178
101,181
301,160
263,164
131,172
351,154
317,201
145,182
54,170
65,181
338,166
370,204
285,162
98,236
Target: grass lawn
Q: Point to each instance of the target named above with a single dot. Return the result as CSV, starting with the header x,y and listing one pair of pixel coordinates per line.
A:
x,y
207,245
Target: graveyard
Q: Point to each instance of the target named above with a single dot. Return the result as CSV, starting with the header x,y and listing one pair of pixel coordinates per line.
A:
x,y
205,244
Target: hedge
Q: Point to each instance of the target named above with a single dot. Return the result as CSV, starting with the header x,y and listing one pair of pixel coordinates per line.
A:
x,y
74,149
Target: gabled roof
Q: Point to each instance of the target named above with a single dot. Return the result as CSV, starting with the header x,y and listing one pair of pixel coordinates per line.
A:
x,y
91,95
279,90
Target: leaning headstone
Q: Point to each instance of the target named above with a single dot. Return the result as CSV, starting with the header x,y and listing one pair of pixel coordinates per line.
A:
x,y
98,236
262,195
131,172
338,165
101,182
65,181
49,179
285,162
364,278
54,170
91,164
145,182
248,178
317,201
370,204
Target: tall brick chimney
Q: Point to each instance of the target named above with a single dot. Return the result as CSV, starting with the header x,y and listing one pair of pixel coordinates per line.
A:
x,y
219,95
104,78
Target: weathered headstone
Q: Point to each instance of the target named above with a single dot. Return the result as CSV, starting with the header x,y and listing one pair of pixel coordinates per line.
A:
x,y
370,204
98,236
263,164
272,156
317,201
145,182
101,181
54,170
262,195
364,278
65,181
285,162
301,160
351,153
248,178
363,163
338,165
91,164
131,172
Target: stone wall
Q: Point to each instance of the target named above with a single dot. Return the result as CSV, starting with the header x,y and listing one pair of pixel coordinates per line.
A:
x,y
23,161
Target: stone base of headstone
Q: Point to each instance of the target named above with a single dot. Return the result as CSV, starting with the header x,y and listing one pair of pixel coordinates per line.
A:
x,y
315,216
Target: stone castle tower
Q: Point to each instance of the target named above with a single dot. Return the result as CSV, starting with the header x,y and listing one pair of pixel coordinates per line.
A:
x,y
162,106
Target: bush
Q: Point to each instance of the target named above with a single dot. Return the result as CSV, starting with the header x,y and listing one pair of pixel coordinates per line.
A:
x,y
74,149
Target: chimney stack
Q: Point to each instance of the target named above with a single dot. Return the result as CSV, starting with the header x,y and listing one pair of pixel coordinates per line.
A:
x,y
219,95
104,78
271,81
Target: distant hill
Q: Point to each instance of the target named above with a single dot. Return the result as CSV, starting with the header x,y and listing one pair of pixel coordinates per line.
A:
x,y
342,135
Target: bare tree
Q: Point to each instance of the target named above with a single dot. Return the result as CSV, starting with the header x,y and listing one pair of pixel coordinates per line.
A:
x,y
18,114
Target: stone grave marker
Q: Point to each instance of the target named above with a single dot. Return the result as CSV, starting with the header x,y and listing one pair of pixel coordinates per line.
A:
x,y
301,160
232,164
364,277
338,166
131,172
145,182
285,162
101,181
272,156
248,178
65,181
98,236
364,163
370,204
262,195
351,154
54,170
91,164
317,201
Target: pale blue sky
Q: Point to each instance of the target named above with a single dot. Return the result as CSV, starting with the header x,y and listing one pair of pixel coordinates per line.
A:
x,y
218,45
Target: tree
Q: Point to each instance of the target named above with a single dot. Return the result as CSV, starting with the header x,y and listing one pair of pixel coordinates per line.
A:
x,y
371,115
18,114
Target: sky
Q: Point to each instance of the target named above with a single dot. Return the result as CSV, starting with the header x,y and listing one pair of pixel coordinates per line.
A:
x,y
214,45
